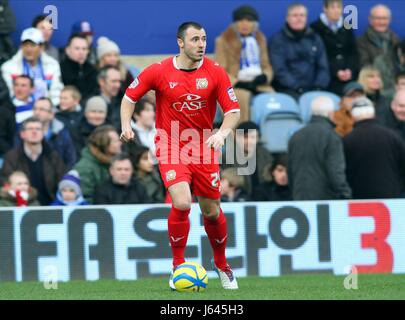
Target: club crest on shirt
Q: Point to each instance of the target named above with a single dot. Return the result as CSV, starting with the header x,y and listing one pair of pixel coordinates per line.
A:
x,y
202,83
134,83
231,94
170,175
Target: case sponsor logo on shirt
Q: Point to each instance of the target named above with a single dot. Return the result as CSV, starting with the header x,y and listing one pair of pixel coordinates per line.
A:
x,y
191,102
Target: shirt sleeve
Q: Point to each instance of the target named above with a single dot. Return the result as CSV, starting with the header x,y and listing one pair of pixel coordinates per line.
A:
x,y
225,93
144,82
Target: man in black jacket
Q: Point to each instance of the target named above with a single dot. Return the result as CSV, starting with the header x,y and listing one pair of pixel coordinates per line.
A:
x,y
316,165
340,45
121,188
375,156
76,70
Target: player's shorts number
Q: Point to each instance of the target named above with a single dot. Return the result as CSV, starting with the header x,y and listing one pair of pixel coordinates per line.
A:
x,y
215,179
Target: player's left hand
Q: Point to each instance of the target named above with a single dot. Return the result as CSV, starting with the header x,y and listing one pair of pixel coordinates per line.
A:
x,y
216,141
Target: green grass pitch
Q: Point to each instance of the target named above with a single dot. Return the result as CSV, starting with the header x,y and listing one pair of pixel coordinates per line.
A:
x,y
251,288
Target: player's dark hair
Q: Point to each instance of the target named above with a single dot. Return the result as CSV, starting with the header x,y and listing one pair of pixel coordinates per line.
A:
x,y
74,36
181,31
24,76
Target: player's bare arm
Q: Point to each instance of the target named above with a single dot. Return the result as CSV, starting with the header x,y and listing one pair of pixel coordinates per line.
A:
x,y
127,110
230,122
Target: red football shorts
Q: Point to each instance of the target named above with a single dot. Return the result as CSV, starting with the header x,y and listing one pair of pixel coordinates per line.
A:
x,y
204,179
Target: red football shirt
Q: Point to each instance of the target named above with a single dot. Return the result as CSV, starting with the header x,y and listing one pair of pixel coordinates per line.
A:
x,y
185,99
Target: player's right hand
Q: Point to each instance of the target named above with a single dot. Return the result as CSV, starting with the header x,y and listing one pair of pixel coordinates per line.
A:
x,y
127,135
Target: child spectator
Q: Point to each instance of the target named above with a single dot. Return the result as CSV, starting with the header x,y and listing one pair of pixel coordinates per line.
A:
x,y
69,192
232,186
69,109
17,192
276,186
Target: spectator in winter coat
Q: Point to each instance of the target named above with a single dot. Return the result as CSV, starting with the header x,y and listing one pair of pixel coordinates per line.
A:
x,y
276,187
37,160
232,186
69,191
340,45
121,188
316,168
298,56
103,144
30,60
17,192
375,156
242,50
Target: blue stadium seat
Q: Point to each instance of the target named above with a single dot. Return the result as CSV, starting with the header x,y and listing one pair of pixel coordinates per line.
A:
x,y
305,100
278,116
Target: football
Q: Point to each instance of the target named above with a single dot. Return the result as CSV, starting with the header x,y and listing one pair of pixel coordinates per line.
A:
x,y
190,277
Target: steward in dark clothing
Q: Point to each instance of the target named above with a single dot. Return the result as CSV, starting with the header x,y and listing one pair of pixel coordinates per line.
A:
x,y
375,161
112,193
316,168
341,49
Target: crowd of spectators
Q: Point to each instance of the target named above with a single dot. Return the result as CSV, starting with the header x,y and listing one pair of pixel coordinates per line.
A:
x,y
60,113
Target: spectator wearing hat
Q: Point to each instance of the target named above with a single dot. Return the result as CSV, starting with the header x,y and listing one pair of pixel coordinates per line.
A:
x,y
298,56
84,28
394,117
340,45
69,192
121,187
37,160
103,144
108,54
242,50
42,23
76,70
17,192
316,162
39,66
95,115
375,156
249,156
109,82
343,117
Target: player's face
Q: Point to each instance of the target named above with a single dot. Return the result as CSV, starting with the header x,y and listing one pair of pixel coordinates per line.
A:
x,y
194,44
